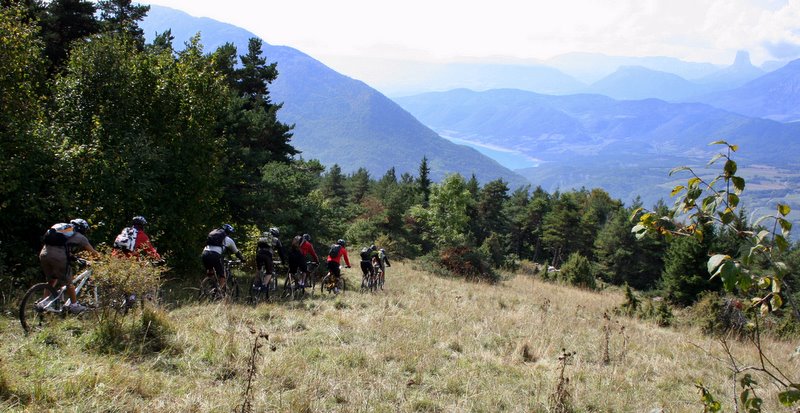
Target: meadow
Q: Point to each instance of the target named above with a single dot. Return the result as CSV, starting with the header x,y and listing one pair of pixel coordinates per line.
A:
x,y
424,344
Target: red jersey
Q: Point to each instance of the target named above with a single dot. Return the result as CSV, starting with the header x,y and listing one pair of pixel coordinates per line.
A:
x,y
307,248
338,257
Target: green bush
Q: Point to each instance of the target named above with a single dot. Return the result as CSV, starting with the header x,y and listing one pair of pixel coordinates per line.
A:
x,y
720,316
577,271
463,261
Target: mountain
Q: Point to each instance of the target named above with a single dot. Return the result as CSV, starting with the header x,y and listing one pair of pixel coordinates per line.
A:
x,y
591,67
338,119
626,147
735,75
775,95
637,82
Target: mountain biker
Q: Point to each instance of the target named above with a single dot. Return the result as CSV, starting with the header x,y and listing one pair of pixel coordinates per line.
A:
x,y
55,257
335,255
141,243
266,247
301,246
219,242
384,259
366,260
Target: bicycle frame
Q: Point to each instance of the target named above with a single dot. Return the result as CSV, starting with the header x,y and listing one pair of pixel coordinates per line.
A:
x,y
79,282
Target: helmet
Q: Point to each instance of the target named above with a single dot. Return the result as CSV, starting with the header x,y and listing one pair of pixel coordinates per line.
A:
x,y
266,234
274,231
80,225
228,228
341,242
139,220
373,247
383,250
307,237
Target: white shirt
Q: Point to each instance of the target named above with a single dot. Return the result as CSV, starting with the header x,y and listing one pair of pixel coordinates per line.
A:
x,y
228,244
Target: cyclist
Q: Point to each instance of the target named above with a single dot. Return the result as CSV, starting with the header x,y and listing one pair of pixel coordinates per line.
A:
x,y
219,242
384,259
141,241
56,254
266,247
300,248
366,261
335,255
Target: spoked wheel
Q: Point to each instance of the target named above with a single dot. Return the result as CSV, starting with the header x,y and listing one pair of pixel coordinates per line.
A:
x,y
289,288
365,283
209,289
259,292
381,280
231,289
36,311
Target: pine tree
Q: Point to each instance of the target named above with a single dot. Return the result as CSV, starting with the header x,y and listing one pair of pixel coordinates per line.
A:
x,y
424,181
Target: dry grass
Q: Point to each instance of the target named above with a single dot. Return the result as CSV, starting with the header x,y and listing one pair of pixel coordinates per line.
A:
x,y
426,344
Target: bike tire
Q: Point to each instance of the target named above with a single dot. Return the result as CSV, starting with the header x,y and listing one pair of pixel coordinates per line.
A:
x,y
289,288
232,290
33,319
381,280
208,290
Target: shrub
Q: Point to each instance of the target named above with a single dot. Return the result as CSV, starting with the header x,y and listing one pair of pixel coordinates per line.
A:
x,y
578,271
466,262
119,277
720,316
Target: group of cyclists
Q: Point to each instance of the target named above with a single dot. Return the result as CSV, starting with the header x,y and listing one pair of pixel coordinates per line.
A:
x,y
63,240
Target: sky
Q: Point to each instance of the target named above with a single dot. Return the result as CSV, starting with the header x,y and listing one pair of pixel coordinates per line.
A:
x,y
693,30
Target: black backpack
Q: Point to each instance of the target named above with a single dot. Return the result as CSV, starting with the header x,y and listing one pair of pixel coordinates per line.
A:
x,y
216,238
58,234
365,253
334,252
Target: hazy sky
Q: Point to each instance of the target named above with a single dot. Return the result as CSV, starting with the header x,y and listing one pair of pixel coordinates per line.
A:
x,y
695,30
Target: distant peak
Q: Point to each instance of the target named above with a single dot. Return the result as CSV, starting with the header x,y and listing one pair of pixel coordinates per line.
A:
x,y
742,59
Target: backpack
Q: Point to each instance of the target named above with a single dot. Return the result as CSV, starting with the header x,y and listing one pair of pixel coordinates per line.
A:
x,y
216,238
334,252
126,240
365,253
266,243
58,234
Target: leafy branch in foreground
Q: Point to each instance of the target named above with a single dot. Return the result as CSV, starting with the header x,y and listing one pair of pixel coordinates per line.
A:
x,y
759,272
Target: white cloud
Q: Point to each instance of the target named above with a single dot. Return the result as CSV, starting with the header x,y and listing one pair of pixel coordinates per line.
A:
x,y
699,30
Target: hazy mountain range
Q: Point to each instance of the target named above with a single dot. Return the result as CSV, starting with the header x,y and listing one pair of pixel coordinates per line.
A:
x,y
338,119
622,130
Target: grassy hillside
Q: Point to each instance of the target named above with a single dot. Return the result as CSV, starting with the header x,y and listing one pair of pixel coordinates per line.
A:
x,y
424,344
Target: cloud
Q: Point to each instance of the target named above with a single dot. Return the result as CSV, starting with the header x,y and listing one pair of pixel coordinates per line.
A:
x,y
782,50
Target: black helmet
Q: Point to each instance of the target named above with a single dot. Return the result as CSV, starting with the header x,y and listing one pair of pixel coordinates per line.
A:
x,y
274,231
80,225
139,220
373,247
307,237
228,228
341,242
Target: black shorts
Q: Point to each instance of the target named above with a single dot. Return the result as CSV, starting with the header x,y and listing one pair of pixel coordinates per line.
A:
x,y
366,267
297,262
213,260
264,260
333,267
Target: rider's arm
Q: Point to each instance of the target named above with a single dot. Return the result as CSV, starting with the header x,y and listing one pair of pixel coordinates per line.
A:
x,y
344,254
230,245
281,252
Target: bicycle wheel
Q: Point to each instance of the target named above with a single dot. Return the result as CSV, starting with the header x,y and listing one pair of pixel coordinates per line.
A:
x,y
232,289
36,312
364,283
209,289
381,280
289,287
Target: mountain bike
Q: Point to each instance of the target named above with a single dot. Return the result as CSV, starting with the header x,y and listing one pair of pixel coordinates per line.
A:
x,y
379,273
260,292
43,304
209,285
331,286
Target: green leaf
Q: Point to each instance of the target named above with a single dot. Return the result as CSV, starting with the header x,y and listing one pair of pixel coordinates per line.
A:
x,y
635,213
776,302
715,158
693,181
718,143
738,183
789,397
762,235
781,242
730,168
729,274
784,209
734,148
733,200
776,285
677,190
715,261
678,169
786,226
727,216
